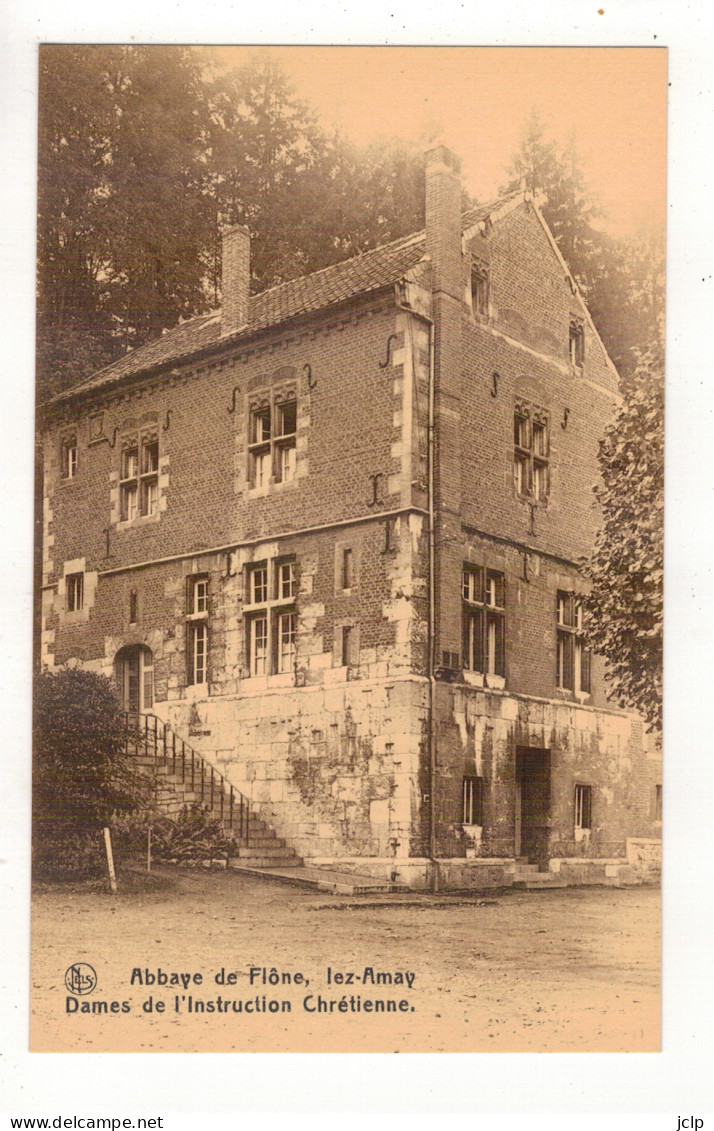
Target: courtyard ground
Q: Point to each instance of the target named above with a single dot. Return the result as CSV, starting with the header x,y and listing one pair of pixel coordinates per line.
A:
x,y
575,969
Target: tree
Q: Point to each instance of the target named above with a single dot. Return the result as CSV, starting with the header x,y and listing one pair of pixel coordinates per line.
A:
x,y
622,280
82,775
123,215
626,569
145,152
558,185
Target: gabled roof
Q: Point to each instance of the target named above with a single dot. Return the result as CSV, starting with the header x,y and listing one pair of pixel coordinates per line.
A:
x,y
360,275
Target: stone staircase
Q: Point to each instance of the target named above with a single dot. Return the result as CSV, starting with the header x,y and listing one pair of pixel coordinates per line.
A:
x,y
529,877
183,778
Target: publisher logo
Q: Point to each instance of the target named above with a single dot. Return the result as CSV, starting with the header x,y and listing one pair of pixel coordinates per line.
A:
x,y
81,978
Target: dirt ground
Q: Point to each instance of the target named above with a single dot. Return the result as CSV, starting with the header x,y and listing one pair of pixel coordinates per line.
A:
x,y
567,970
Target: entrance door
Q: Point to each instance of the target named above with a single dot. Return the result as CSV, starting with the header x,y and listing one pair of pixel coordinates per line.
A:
x,y
532,816
134,668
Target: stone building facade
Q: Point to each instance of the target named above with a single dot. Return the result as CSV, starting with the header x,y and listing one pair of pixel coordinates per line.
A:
x,y
331,535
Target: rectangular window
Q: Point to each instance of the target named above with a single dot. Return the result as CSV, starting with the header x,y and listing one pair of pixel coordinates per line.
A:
x,y
348,577
576,343
271,632
197,595
348,645
531,452
74,583
258,644
69,457
197,628
583,807
133,606
573,657
479,291
272,449
472,801
286,580
260,426
287,634
197,651
483,620
658,803
257,585
139,476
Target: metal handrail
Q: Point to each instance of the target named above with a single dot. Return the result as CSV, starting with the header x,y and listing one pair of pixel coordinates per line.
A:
x,y
156,738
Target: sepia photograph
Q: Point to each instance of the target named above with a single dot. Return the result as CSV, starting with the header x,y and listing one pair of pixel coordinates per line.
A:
x,y
349,489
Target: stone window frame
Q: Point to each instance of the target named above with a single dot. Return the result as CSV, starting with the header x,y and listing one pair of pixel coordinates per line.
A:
x,y
472,800
531,451
576,341
69,457
348,557
573,660
197,629
583,807
270,616
135,480
479,286
74,592
271,449
483,609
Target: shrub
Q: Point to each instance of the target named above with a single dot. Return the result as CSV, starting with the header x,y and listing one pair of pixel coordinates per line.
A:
x,y
82,776
191,837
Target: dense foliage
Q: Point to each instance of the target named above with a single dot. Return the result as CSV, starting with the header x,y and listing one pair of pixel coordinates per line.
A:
x,y
623,283
82,776
625,606
193,836
145,152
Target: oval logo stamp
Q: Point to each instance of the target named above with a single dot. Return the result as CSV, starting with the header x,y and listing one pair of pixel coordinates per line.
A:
x,y
80,978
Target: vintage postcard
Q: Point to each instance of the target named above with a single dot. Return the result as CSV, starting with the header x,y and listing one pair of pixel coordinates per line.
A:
x,y
349,555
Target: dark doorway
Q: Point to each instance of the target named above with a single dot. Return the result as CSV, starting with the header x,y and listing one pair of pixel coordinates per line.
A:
x,y
532,804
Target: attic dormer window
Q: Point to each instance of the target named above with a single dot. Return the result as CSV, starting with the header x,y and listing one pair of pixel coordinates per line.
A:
x,y
577,342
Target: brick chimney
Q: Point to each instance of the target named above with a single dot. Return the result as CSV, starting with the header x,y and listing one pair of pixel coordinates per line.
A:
x,y
443,219
235,278
443,246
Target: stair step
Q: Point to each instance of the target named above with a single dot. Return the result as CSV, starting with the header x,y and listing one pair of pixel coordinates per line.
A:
x,y
317,879
179,783
542,882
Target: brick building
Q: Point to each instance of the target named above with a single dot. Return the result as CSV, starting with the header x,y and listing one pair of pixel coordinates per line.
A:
x,y
330,535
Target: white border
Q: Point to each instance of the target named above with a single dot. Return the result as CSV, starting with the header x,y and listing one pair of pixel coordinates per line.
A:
x,y
680,1079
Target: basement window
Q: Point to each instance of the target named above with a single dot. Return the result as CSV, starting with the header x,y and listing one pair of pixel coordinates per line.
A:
x,y
573,657
483,620
472,801
583,807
